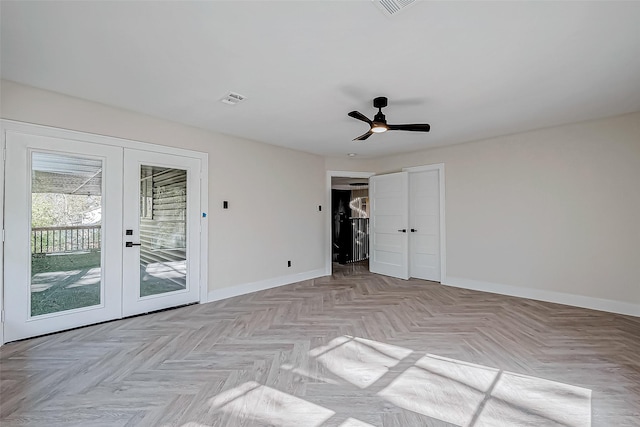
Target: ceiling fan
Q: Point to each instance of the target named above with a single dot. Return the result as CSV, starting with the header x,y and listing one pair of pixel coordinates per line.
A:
x,y
379,123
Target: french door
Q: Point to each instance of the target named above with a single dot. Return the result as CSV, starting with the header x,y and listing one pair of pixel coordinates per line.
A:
x,y
161,245
95,232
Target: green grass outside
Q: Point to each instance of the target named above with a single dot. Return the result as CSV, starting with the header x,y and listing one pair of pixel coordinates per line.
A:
x,y
62,292
56,282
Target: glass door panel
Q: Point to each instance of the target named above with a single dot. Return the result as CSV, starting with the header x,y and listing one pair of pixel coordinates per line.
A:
x,y
66,230
63,255
162,225
163,230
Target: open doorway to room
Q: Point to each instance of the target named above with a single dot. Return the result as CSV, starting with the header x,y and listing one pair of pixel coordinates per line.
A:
x,y
349,224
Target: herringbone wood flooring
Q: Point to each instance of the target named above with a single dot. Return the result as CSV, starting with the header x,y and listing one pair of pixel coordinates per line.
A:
x,y
354,349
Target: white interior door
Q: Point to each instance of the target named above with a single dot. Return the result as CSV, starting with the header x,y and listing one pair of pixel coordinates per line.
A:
x,y
63,246
161,231
424,223
388,235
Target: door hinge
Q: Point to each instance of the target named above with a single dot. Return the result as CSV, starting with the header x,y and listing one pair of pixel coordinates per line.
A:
x,y
3,234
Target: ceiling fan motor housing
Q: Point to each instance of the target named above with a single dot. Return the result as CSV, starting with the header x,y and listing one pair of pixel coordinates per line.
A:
x,y
380,102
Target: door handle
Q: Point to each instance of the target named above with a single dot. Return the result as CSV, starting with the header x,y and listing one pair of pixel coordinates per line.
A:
x,y
131,244
413,230
404,230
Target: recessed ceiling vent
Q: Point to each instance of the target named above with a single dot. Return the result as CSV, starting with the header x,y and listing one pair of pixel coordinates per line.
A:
x,y
393,7
232,98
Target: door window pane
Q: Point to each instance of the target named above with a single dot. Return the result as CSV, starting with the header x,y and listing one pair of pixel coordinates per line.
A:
x,y
163,230
66,230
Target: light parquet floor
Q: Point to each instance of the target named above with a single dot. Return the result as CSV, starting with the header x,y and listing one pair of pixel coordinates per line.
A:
x,y
350,350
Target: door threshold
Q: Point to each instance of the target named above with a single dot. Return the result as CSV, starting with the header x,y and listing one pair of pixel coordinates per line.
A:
x,y
101,323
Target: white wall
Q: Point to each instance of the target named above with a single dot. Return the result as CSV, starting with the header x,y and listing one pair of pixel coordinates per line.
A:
x,y
555,210
273,192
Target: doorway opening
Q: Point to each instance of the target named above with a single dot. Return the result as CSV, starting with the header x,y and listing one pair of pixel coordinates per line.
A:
x,y
349,223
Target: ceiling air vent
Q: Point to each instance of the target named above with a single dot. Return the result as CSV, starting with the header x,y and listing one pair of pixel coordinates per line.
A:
x,y
393,7
232,98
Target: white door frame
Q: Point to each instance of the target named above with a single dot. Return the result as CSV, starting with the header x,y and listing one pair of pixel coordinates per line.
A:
x,y
328,219
443,254
48,131
4,154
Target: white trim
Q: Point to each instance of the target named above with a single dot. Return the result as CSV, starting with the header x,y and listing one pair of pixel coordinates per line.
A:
x,y
3,146
247,288
582,301
443,239
204,228
74,135
337,174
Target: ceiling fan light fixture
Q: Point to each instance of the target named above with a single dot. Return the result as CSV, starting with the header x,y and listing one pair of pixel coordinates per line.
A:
x,y
379,128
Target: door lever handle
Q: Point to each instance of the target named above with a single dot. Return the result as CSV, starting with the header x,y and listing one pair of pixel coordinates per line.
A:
x,y
404,230
131,244
413,230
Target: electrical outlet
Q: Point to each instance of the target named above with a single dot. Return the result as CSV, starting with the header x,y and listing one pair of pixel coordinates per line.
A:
x,y
288,263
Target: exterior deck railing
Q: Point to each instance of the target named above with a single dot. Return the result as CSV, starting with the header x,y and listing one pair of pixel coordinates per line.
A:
x,y
52,240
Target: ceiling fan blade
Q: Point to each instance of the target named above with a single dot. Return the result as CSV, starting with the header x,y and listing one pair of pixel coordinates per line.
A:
x,y
360,116
363,136
412,128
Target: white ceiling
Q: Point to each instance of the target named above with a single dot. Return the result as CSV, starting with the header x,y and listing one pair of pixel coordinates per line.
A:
x,y
471,69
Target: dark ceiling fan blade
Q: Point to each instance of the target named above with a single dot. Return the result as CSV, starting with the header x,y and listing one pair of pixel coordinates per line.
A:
x,y
360,116
363,136
412,128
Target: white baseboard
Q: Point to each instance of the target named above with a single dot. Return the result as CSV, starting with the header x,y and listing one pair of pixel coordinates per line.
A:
x,y
601,304
247,288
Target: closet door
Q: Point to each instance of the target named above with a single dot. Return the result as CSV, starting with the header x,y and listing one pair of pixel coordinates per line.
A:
x,y
424,220
388,240
63,246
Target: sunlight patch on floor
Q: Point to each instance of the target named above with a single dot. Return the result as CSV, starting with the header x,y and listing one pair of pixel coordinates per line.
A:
x,y
336,342
523,400
448,390
352,422
267,405
440,388
308,374
359,361
473,395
